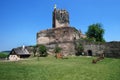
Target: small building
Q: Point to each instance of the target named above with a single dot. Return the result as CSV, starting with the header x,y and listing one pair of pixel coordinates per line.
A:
x,y
18,53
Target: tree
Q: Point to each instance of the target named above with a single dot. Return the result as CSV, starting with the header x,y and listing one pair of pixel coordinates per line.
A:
x,y
95,32
42,50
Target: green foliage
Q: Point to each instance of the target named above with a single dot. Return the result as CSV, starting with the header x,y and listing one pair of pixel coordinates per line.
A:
x,y
57,49
95,32
3,55
42,50
74,68
79,49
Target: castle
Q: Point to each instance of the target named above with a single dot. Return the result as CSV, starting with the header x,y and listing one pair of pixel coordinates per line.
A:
x,y
61,33
66,37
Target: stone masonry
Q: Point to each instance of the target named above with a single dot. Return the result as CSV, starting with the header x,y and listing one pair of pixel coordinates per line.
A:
x,y
61,33
66,37
60,18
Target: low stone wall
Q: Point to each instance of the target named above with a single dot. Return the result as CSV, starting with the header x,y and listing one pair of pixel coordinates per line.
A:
x,y
112,49
109,49
91,48
94,49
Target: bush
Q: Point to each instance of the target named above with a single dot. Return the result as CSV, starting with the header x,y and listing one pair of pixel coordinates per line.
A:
x,y
79,49
42,50
57,49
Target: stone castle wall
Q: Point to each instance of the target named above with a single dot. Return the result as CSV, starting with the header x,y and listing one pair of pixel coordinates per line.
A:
x,y
66,37
68,48
63,37
62,34
109,49
112,49
94,48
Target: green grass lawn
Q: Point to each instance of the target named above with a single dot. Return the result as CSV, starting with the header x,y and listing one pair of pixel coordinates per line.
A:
x,y
50,68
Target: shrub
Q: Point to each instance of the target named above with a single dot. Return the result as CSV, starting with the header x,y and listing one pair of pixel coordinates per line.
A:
x,y
79,49
42,50
57,49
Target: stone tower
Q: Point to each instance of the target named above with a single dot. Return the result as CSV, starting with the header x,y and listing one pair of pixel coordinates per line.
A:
x,y
60,18
61,34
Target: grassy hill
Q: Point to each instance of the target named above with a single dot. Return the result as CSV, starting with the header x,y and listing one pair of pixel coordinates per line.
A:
x,y
50,68
4,54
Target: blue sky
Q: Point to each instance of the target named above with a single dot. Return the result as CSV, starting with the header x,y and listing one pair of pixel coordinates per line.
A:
x,y
20,20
